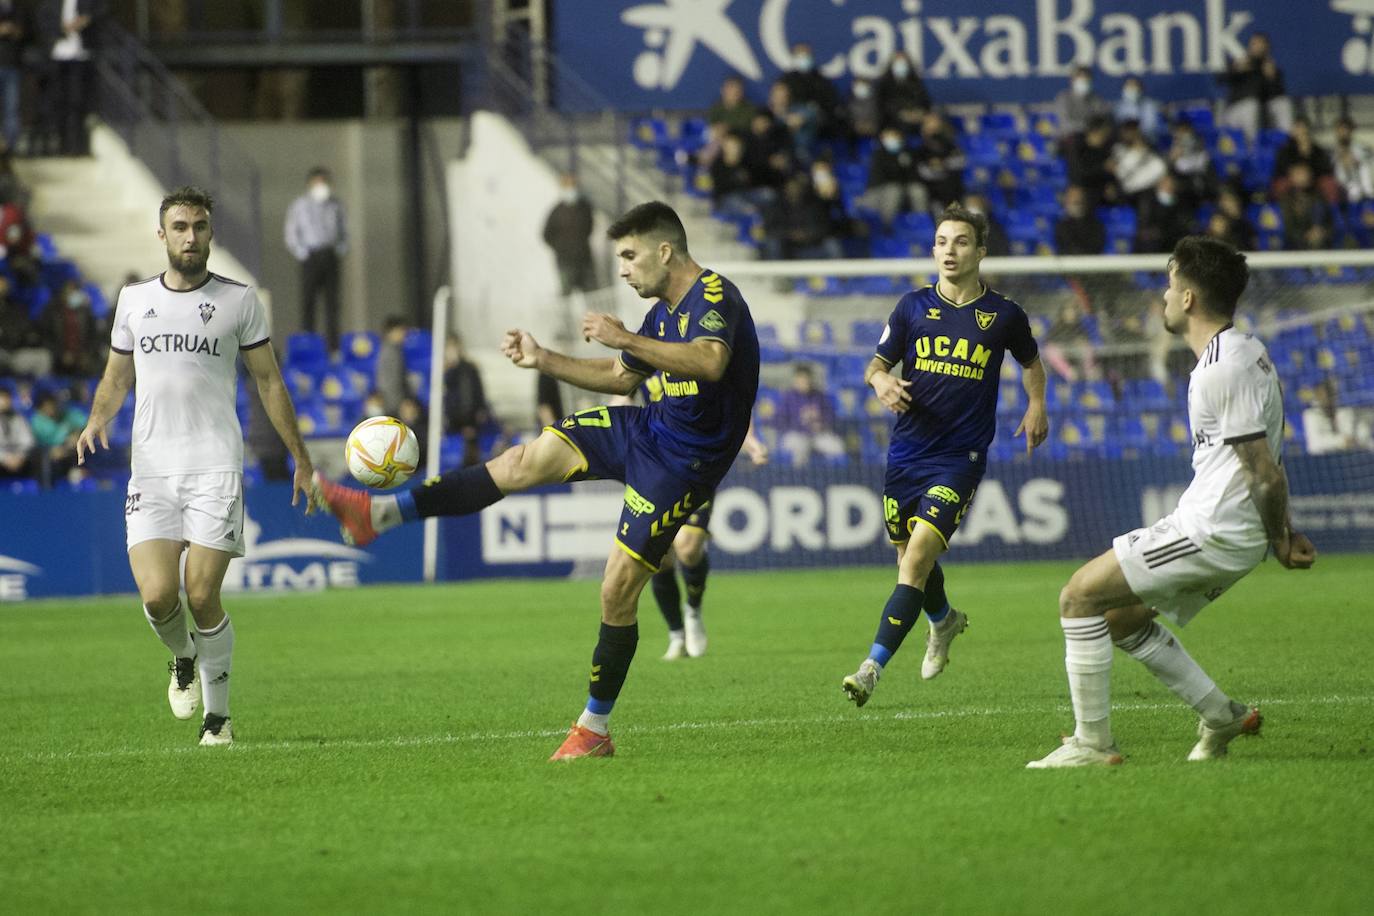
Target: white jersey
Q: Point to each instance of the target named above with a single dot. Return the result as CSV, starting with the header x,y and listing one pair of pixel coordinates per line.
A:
x,y
1233,396
185,347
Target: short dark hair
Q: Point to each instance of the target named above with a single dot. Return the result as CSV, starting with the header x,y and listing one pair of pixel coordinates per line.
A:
x,y
960,214
393,322
654,219
318,171
1216,272
186,196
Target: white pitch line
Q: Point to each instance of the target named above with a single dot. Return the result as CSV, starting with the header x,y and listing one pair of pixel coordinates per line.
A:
x,y
302,744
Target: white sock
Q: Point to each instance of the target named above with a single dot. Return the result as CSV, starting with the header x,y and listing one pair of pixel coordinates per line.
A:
x,y
1088,661
1160,651
595,722
386,514
172,631
216,654
677,635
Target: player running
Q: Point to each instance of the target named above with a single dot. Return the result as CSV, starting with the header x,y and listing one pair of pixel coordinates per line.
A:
x,y
950,339
670,454
1234,510
179,334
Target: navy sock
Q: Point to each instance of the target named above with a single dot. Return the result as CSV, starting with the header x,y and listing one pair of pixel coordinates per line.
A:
x,y
898,617
936,604
664,584
615,649
458,492
694,577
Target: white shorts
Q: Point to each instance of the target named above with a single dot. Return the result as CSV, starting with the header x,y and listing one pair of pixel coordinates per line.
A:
x,y
1174,575
204,509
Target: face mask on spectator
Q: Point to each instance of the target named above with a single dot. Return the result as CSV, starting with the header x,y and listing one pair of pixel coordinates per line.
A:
x,y
319,192
1165,198
892,144
1082,86
862,90
75,299
901,69
823,179
1131,93
805,62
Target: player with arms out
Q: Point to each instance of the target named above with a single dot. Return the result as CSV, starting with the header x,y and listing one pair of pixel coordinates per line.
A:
x,y
670,454
1234,510
180,334
950,339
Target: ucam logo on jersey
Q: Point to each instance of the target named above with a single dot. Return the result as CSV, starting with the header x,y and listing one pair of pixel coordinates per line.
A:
x,y
674,53
14,578
292,564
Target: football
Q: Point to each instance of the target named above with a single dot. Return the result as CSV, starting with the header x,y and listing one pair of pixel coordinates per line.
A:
x,y
382,452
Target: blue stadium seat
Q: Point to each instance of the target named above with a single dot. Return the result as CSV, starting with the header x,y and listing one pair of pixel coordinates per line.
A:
x,y
766,405
47,248
692,134
816,334
648,133
865,333
917,227
306,349
360,348
1046,124
416,349
982,151
1032,149
1201,118
999,124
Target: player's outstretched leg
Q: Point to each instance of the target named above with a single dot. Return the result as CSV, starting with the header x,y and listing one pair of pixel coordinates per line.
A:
x,y
945,624
1221,719
362,515
900,613
669,601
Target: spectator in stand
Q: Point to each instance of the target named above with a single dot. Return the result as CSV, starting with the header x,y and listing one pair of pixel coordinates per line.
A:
x,y
16,440
997,243
413,414
1135,105
806,419
1191,163
1135,164
1161,219
13,34
810,89
316,232
939,162
1086,157
12,189
465,401
56,423
1354,164
1330,428
893,183
568,231
1228,221
1256,96
800,225
21,344
1079,231
391,364
1302,148
732,111
735,189
71,331
902,96
801,121
68,35
865,115
1077,105
261,438
548,401
374,405
18,244
1307,220
768,150
828,192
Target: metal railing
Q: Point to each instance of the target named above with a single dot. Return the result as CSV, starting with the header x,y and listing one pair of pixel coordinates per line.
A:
x,y
180,142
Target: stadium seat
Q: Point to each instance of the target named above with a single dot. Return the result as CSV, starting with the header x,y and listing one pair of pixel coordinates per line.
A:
x,y
1201,118
648,133
917,227
982,151
416,349
1046,124
865,333
360,348
306,349
766,405
998,124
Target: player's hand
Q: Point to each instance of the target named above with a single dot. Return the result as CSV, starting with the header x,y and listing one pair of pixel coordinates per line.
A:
x,y
1036,426
605,329
892,392
86,441
521,348
301,484
757,450
1295,551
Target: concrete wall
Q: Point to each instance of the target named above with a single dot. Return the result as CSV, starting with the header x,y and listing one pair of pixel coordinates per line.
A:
x,y
368,159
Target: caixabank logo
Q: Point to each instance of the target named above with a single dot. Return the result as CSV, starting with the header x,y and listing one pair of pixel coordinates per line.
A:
x,y
292,563
14,578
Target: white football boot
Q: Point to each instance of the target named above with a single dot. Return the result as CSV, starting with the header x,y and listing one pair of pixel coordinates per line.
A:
x,y
1076,753
215,731
937,643
696,631
1212,742
677,647
183,690
860,685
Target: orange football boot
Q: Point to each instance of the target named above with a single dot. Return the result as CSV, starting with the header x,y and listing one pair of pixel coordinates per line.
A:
x,y
583,742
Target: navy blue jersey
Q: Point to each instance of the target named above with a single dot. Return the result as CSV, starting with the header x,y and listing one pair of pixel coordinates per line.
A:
x,y
695,424
952,355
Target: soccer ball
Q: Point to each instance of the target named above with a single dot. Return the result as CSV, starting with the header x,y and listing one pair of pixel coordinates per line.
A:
x,y
382,452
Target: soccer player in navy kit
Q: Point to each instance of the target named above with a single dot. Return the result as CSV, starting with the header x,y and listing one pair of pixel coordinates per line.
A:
x,y
950,339
671,454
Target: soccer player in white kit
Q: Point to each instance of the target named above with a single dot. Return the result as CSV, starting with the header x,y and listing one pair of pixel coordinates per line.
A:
x,y
1235,509
180,334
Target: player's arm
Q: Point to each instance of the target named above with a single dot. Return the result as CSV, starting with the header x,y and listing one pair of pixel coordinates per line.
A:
x,y
1269,489
1035,424
109,397
891,391
607,376
702,360
262,365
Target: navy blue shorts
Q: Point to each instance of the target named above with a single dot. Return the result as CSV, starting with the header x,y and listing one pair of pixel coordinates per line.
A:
x,y
930,493
659,499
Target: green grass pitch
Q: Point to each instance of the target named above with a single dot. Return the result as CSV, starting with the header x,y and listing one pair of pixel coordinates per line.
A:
x,y
392,747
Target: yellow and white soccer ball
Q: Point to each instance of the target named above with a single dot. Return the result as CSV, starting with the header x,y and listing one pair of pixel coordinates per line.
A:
x,y
382,452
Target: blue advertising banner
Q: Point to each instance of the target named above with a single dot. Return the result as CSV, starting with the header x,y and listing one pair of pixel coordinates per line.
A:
x,y
643,54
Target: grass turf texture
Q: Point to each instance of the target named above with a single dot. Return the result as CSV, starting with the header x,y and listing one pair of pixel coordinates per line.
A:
x,y
392,743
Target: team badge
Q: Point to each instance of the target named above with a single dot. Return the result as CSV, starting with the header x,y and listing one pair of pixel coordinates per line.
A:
x,y
712,321
933,313
985,319
207,311
682,321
